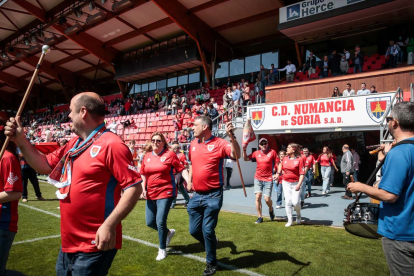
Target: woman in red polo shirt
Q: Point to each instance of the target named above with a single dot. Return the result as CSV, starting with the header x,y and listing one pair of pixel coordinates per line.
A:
x,y
159,188
326,160
11,188
293,169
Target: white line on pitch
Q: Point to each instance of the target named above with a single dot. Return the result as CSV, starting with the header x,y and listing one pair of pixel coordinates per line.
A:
x,y
37,239
191,256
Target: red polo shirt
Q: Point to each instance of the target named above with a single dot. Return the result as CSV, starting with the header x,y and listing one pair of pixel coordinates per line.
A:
x,y
266,163
10,181
292,168
99,174
324,160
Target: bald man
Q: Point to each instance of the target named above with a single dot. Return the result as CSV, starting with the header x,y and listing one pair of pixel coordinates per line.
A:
x,y
98,165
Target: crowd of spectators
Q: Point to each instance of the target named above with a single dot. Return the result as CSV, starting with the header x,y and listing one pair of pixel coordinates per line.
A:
x,y
351,92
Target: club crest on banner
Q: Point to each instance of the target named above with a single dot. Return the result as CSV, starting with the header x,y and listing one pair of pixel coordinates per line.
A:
x,y
210,147
94,151
258,116
376,107
163,158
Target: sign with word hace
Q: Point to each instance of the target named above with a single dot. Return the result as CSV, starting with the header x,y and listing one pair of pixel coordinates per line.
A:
x,y
311,7
341,112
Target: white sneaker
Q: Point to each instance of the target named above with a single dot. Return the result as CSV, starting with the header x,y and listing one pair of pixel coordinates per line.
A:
x,y
288,224
162,254
327,192
169,236
278,207
298,218
323,193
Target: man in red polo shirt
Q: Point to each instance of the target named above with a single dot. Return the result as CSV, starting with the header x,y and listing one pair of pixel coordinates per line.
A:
x,y
99,165
206,158
267,162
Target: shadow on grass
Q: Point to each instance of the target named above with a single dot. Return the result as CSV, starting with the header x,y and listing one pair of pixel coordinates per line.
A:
x,y
256,258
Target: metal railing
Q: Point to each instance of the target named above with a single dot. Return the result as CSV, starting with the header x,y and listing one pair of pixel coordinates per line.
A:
x,y
385,135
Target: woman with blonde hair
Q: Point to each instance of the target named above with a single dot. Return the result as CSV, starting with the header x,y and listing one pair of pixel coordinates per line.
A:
x,y
159,188
326,160
293,168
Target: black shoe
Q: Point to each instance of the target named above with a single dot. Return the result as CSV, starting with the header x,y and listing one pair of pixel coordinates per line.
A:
x,y
259,220
272,214
302,203
210,270
229,187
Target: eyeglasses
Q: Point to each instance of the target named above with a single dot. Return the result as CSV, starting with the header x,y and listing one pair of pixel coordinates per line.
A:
x,y
156,141
263,143
389,119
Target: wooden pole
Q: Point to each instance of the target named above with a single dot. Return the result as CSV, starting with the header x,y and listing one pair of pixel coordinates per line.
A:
x,y
238,165
45,50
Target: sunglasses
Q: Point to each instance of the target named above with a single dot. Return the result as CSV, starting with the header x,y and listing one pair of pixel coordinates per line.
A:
x,y
389,119
156,141
263,143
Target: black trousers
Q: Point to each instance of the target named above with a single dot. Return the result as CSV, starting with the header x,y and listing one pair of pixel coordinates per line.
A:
x,y
30,174
229,172
346,180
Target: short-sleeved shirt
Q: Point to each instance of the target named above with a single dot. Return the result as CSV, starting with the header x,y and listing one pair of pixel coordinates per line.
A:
x,y
324,160
159,172
10,181
266,163
292,168
396,220
310,161
98,176
207,161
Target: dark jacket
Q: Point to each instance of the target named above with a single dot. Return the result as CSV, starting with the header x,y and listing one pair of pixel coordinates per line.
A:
x,y
311,63
361,56
334,63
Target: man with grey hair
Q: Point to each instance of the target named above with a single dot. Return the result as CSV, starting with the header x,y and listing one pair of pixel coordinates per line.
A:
x,y
206,158
396,192
95,165
347,169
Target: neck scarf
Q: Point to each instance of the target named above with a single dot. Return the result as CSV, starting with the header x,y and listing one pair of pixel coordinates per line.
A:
x,y
61,176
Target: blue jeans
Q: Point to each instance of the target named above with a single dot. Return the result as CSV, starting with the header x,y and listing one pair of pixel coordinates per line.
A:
x,y
355,175
6,241
309,178
203,210
279,193
357,67
156,214
182,190
84,264
326,175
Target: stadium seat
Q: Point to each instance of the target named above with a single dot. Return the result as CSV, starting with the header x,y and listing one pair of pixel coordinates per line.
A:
x,y
314,76
350,70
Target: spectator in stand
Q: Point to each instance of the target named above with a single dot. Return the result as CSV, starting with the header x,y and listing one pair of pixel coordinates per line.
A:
x,y
252,77
343,65
184,104
402,41
303,69
175,104
170,96
190,123
178,124
263,78
48,135
336,93
127,107
410,51
348,91
192,101
392,53
237,95
229,171
213,101
358,59
246,93
206,96
229,84
290,71
199,96
241,83
218,83
357,161
334,60
325,68
311,64
373,89
347,54
213,114
157,97
364,90
197,108
182,138
257,89
272,75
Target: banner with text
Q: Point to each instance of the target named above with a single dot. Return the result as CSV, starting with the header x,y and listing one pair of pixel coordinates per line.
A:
x,y
358,111
311,7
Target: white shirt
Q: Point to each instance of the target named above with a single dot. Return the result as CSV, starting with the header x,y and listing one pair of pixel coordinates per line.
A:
x,y
363,92
229,163
291,68
347,55
48,136
347,93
